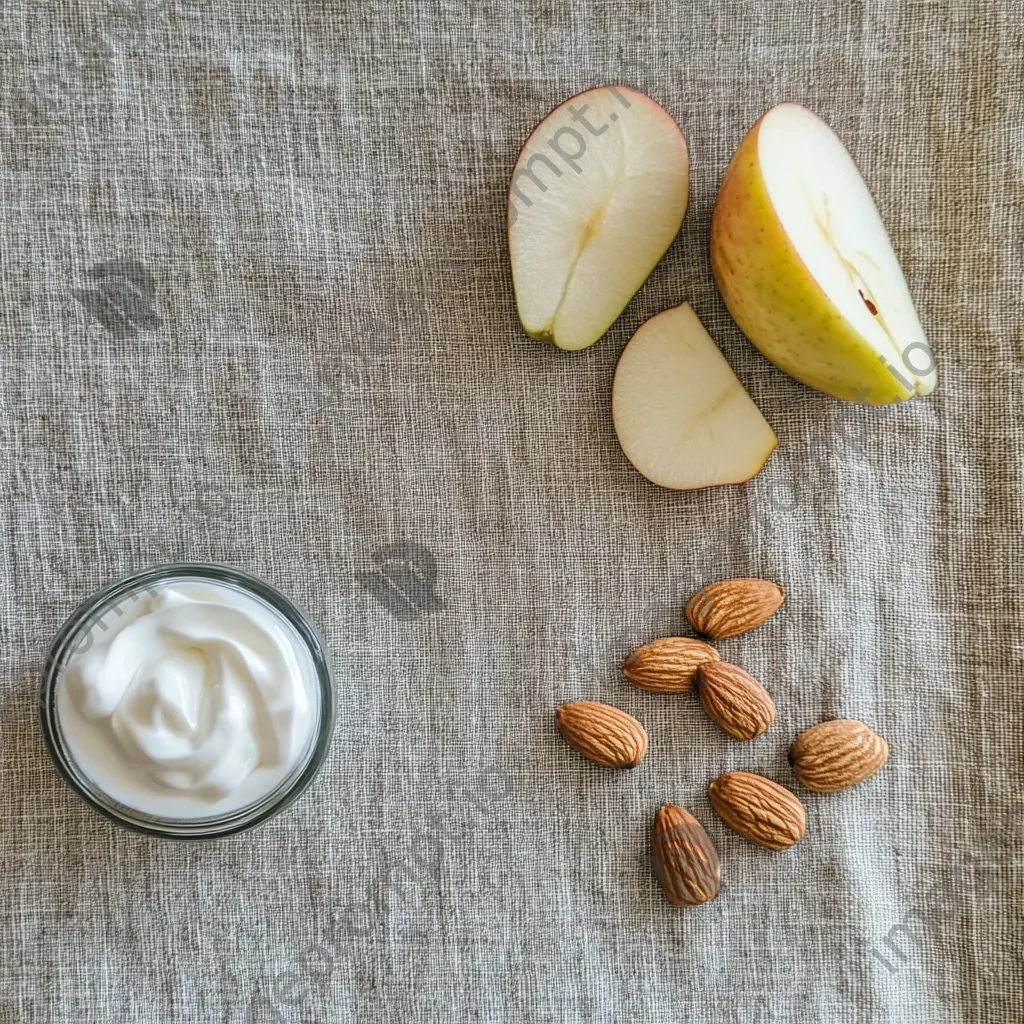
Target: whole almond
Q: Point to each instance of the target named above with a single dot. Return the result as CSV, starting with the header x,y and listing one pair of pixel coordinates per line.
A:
x,y
731,607
759,809
683,857
607,736
834,755
668,665
734,700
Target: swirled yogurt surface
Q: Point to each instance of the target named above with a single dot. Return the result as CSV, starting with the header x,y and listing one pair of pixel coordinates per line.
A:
x,y
188,700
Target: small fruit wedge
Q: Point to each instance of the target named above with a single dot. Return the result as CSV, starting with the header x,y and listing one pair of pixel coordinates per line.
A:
x,y
682,417
597,195
805,265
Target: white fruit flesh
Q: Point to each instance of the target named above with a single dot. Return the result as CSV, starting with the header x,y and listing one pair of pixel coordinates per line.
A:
x,y
592,208
682,417
827,211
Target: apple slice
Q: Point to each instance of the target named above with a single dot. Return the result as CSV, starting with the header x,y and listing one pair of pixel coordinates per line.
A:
x,y
597,195
806,267
682,417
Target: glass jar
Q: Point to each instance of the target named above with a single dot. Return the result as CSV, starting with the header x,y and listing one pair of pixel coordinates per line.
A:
x,y
91,619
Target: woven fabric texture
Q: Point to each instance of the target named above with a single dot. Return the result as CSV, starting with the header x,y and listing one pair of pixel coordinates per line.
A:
x,y
257,309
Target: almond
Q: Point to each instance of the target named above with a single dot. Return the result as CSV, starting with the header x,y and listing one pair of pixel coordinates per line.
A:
x,y
606,735
734,700
834,755
731,607
759,809
683,857
668,665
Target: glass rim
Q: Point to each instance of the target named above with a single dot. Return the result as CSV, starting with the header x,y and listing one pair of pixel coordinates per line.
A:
x,y
286,792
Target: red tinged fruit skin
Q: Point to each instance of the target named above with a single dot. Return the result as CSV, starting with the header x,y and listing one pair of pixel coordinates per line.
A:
x,y
596,196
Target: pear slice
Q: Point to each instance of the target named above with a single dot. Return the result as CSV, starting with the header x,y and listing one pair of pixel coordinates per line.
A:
x,y
806,267
682,417
597,195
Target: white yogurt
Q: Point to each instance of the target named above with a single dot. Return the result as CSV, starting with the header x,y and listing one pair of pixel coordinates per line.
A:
x,y
189,700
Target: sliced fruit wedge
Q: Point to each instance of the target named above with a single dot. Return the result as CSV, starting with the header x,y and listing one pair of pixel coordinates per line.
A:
x,y
597,195
682,417
806,267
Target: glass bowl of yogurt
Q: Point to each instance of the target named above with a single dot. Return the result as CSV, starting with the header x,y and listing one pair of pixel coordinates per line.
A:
x,y
188,701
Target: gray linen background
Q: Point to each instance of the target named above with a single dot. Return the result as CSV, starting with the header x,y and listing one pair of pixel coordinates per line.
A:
x,y
257,309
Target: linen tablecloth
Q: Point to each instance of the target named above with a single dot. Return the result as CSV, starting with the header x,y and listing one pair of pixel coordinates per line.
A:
x,y
257,309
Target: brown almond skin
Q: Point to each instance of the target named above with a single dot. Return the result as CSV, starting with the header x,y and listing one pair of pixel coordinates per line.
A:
x,y
758,809
607,736
836,755
668,665
734,700
731,607
684,859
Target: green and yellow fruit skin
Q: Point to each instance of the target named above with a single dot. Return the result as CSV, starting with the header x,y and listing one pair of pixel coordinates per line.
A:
x,y
776,301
